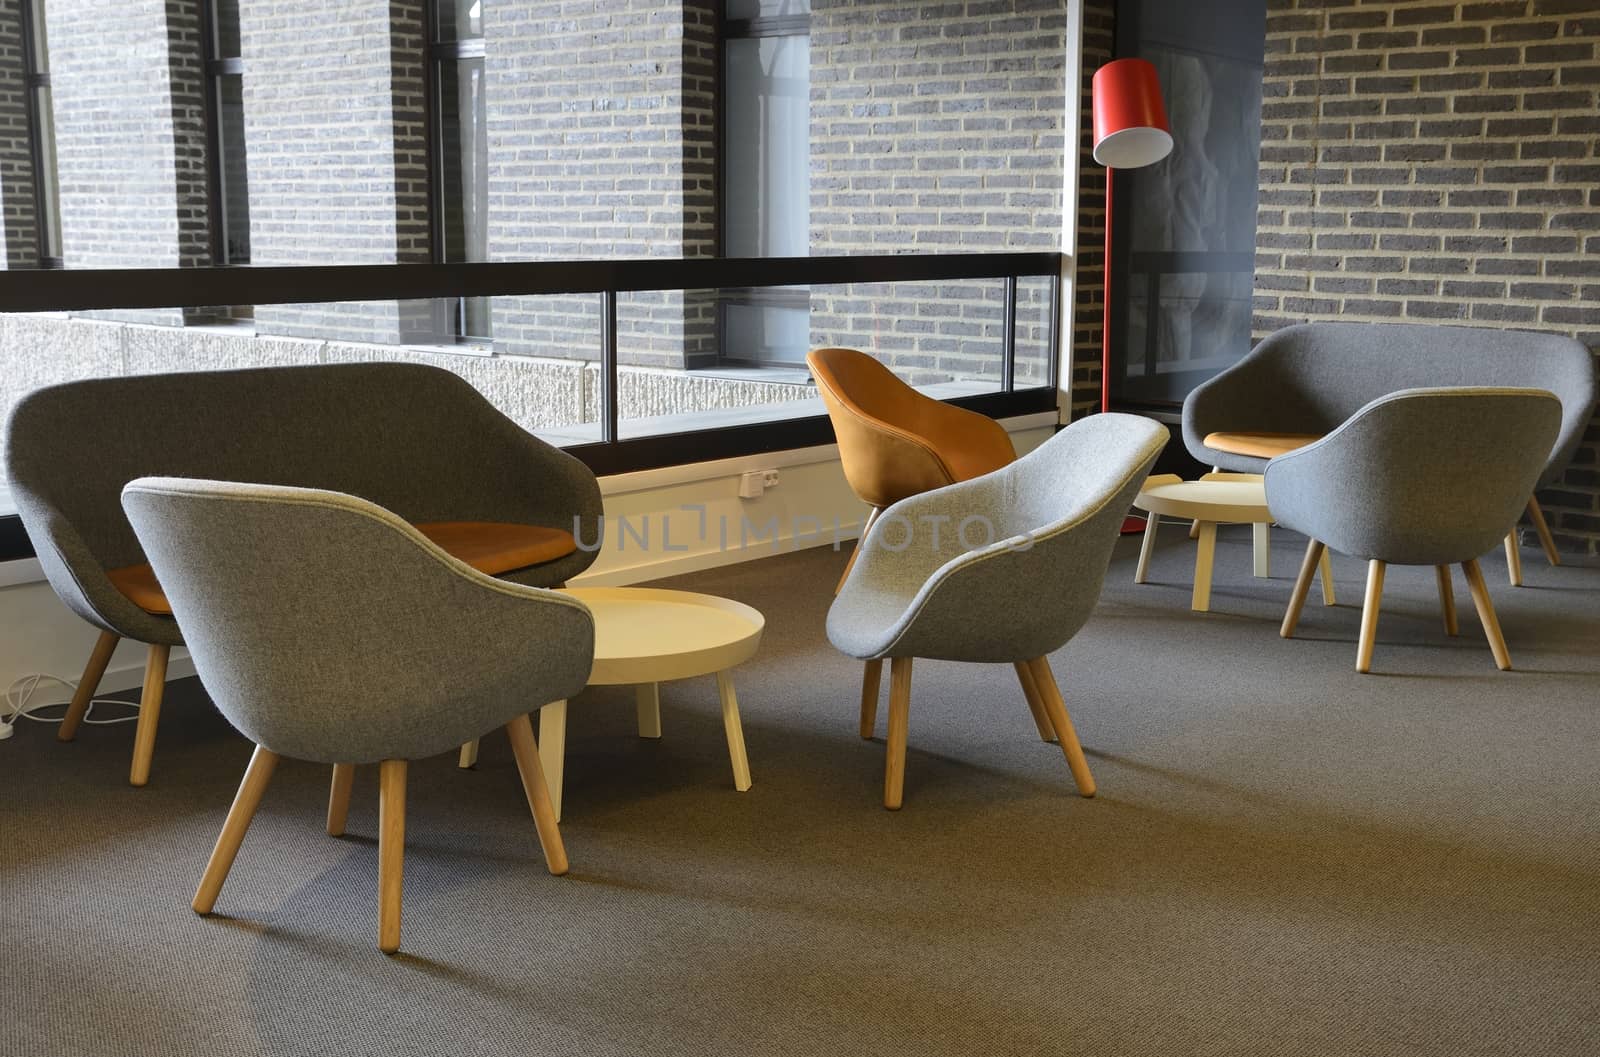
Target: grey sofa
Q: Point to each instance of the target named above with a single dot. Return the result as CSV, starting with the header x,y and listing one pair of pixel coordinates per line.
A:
x,y
416,440
1419,477
327,629
1003,568
1309,378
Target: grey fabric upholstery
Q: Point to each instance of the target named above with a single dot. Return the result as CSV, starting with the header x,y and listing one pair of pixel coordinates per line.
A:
x,y
327,629
1311,377
1055,514
416,440
1419,477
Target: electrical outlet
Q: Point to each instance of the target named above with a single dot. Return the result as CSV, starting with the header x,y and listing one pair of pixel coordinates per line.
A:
x,y
769,478
752,484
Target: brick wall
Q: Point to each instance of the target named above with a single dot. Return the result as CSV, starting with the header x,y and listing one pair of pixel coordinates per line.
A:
x,y
935,128
1437,163
588,103
18,232
334,136
1089,284
124,159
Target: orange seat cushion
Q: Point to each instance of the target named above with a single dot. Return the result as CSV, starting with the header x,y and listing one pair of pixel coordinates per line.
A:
x,y
491,547
1260,445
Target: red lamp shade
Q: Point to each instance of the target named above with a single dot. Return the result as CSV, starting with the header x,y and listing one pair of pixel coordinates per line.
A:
x,y
1130,121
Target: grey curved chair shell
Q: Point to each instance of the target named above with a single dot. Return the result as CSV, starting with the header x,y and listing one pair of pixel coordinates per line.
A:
x,y
328,629
1052,513
1006,567
1419,477
417,440
1310,377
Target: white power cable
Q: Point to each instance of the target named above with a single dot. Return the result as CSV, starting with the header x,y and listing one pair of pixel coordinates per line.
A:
x,y
22,690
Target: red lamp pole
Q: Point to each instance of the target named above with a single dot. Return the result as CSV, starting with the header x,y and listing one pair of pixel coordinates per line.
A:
x,y
1130,131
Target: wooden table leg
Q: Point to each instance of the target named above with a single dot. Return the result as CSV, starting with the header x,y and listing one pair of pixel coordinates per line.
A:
x,y
647,703
1261,549
1147,548
468,757
734,730
1204,555
553,749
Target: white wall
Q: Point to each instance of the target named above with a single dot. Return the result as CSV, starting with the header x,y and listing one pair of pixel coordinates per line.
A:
x,y
40,635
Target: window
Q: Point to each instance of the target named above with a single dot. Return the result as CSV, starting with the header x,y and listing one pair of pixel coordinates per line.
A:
x,y
765,209
459,151
230,194
41,122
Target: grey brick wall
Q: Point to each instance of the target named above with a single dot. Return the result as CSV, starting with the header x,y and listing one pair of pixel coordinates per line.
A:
x,y
126,147
1089,285
1437,163
934,128
334,146
18,232
597,113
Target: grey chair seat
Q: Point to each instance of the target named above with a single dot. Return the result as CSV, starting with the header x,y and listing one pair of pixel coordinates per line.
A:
x,y
327,629
1004,568
416,440
1419,477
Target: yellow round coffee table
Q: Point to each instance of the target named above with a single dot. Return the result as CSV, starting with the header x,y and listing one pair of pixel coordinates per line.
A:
x,y
1215,499
644,637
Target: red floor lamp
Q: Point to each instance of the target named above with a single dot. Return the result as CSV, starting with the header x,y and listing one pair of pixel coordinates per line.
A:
x,y
1130,131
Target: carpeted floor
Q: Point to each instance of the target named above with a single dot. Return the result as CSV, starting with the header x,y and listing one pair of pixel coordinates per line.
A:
x,y
1284,858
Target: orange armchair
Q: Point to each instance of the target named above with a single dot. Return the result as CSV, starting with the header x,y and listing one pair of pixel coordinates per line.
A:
x,y
894,441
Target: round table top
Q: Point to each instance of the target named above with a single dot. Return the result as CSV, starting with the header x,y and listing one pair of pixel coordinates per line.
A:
x,y
1234,498
647,635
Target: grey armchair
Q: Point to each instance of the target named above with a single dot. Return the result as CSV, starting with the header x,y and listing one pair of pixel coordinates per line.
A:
x,y
327,629
1419,477
414,439
1003,568
1302,381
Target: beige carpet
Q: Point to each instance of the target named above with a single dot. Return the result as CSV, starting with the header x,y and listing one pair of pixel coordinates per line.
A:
x,y
1285,857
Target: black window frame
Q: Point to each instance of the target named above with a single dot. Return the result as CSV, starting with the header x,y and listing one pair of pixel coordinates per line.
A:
x,y
36,83
763,297
99,289
450,314
217,67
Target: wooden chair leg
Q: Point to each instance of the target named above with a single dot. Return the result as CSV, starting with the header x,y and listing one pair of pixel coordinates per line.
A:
x,y
256,776
144,731
1513,558
1326,568
872,515
537,790
1315,552
1486,614
1547,541
391,851
1056,709
1151,523
1369,615
894,773
88,683
1447,599
468,757
344,775
871,682
1030,690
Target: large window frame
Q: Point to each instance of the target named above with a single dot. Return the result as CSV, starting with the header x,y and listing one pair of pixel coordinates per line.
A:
x,y
41,134
729,29
458,320
90,289
219,68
